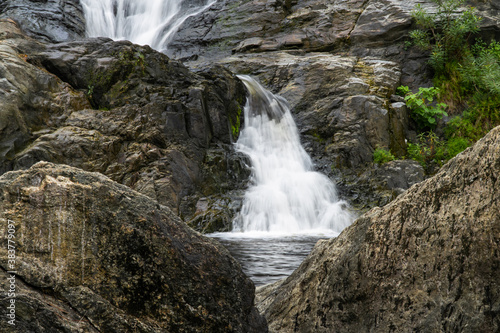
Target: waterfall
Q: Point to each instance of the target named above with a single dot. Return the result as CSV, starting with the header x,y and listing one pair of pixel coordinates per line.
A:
x,y
145,22
286,195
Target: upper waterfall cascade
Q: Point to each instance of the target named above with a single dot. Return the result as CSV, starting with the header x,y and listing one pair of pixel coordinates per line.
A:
x,y
151,22
286,195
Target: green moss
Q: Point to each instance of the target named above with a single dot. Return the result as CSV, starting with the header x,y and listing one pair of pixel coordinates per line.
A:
x,y
236,124
128,63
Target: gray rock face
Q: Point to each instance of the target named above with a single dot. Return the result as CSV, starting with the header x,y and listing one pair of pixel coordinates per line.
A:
x,y
428,261
310,25
48,20
31,100
342,99
120,109
95,256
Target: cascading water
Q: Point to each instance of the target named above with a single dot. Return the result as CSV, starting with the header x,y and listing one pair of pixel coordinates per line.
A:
x,y
145,22
287,196
288,207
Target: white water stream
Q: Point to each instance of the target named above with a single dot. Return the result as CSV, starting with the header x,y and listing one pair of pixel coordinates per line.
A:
x,y
287,196
144,22
289,206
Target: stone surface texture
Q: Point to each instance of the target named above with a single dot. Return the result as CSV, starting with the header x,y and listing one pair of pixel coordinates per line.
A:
x,y
95,256
47,20
429,261
124,110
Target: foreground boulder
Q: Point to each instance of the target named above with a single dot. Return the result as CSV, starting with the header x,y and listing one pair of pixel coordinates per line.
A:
x,y
96,256
429,261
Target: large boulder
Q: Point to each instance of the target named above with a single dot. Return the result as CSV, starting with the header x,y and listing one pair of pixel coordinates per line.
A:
x,y
92,255
121,109
429,261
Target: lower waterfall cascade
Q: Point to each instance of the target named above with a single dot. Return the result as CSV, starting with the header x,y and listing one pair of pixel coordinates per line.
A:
x,y
288,206
286,196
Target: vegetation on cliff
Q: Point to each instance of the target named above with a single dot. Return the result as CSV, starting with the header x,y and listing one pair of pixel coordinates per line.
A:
x,y
466,83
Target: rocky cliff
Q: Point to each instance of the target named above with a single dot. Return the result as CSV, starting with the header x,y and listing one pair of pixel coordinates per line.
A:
x,y
429,261
124,110
92,255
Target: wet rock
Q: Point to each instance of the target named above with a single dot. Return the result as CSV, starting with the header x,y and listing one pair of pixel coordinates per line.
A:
x,y
95,256
428,261
379,185
124,110
361,26
47,20
32,101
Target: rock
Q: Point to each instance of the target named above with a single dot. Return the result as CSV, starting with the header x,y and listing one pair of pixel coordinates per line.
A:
x,y
358,26
120,109
95,256
379,185
335,99
47,20
428,261
32,101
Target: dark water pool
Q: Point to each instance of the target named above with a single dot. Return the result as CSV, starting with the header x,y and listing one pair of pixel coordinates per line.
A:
x,y
268,259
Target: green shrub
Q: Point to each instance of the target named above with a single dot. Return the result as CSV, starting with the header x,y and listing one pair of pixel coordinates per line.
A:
x,y
476,121
455,146
444,33
467,83
430,149
423,111
381,156
481,68
416,152
402,91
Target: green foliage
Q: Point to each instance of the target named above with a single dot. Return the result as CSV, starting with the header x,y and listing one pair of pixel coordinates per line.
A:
x,y
402,91
428,148
431,150
455,146
476,121
467,81
381,156
236,124
90,90
445,33
481,69
424,112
